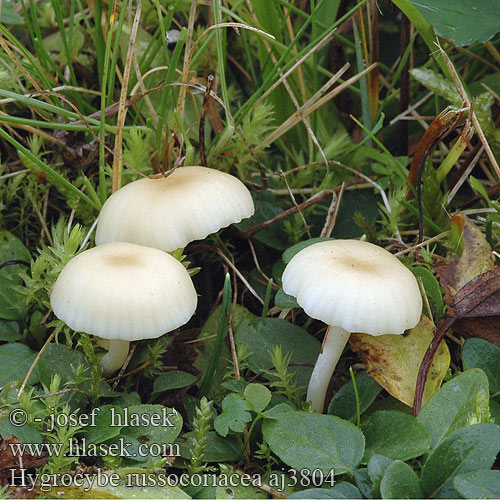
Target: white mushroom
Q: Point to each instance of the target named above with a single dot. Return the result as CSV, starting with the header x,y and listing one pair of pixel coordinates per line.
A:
x,y
353,286
123,292
169,212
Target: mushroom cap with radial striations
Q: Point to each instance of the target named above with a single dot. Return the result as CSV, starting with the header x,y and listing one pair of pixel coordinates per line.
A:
x,y
124,291
354,285
170,212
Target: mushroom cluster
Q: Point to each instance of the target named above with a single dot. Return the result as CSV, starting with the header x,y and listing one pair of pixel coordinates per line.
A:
x,y
353,286
127,287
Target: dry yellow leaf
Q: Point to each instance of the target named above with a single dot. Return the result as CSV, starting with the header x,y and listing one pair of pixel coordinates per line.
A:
x,y
394,360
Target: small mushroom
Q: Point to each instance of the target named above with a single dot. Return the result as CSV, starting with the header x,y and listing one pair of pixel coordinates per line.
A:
x,y
353,286
169,212
123,292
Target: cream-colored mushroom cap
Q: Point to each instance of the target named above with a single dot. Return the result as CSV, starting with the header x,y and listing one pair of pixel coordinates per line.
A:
x,y
169,212
124,291
354,285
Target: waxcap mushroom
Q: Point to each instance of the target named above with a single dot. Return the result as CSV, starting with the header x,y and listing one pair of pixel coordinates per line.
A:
x,y
122,292
169,212
353,286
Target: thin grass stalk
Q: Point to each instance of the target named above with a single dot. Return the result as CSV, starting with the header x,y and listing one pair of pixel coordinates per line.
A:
x,y
221,335
102,122
122,110
110,67
242,112
363,85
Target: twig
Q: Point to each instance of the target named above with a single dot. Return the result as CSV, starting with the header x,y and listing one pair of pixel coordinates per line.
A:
x,y
443,325
131,372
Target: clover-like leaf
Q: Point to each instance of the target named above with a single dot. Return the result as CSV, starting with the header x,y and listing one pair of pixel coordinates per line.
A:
x,y
235,414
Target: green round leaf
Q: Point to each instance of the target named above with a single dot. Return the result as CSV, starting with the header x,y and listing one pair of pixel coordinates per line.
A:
x,y
478,484
462,21
314,441
479,353
394,435
343,404
257,396
400,481
15,361
175,379
464,450
261,334
450,408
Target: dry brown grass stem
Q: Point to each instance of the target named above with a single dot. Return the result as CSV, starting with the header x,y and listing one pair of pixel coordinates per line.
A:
x,y
35,362
122,109
465,175
426,242
140,83
333,211
310,131
5,46
187,60
467,101
316,101
317,47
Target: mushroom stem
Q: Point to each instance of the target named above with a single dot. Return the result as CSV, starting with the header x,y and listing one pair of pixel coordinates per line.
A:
x,y
335,340
115,357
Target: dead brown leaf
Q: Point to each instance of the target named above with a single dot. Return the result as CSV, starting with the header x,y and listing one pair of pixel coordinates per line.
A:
x,y
9,461
476,259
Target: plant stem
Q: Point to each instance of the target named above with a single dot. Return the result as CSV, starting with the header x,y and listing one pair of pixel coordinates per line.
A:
x,y
335,340
115,357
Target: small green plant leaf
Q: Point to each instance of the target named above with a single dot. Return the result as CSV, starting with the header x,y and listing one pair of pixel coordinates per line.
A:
x,y
285,301
262,334
106,424
157,423
376,468
400,481
314,441
394,435
257,396
363,482
479,353
235,414
464,450
219,449
175,379
432,290
61,360
339,491
9,331
483,483
343,404
12,301
452,406
208,335
15,361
